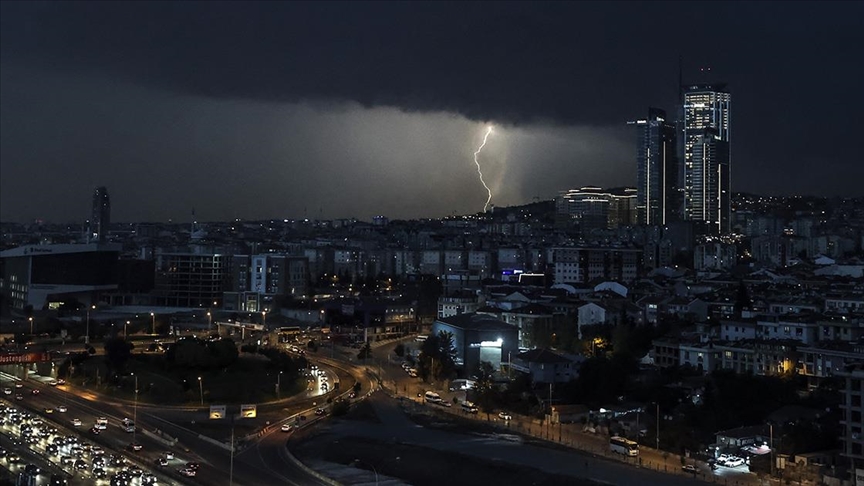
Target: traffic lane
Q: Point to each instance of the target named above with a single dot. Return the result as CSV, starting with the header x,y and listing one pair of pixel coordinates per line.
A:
x,y
112,438
29,456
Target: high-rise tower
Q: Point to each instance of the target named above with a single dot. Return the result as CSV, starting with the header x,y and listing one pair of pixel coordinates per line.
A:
x,y
100,218
657,200
707,155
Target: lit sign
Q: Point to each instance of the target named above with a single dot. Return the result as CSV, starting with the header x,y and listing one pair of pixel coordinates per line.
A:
x,y
217,411
488,344
24,358
248,411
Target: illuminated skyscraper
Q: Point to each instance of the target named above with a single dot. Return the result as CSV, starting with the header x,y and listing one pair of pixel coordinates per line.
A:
x,y
657,201
100,219
707,156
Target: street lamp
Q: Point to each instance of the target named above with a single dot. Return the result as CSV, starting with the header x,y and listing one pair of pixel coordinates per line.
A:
x,y
209,322
135,411
264,318
87,332
201,390
126,330
153,323
279,385
31,324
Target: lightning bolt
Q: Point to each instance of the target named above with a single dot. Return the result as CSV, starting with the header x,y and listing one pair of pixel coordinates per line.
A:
x,y
489,191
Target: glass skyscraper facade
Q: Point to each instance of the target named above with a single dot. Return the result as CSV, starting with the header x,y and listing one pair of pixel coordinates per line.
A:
x,y
707,156
658,197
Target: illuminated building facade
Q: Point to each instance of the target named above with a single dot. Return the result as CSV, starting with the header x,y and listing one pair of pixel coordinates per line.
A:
x,y
657,194
707,156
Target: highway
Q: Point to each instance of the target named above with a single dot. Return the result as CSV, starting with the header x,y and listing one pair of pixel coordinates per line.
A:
x,y
260,459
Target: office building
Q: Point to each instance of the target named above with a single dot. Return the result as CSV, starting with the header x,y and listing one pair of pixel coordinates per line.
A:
x,y
592,207
706,156
46,276
100,217
657,195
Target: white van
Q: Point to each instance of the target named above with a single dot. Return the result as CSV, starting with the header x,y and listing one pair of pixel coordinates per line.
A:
x,y
432,397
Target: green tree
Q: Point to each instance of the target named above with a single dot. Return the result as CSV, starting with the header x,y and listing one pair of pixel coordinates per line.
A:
x,y
485,388
224,352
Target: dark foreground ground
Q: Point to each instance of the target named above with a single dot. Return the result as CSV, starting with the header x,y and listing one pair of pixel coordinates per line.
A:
x,y
416,465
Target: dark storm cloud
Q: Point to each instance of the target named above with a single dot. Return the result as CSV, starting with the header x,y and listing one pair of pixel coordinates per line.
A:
x,y
561,78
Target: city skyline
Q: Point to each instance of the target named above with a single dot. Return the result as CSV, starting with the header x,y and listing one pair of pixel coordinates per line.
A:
x,y
341,110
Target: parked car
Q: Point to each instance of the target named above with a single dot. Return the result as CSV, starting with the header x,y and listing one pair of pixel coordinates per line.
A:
x,y
690,468
505,416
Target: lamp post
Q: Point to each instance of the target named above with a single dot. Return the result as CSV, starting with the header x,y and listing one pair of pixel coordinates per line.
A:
x,y
658,426
201,390
31,324
209,322
126,331
264,318
135,412
87,332
152,323
279,385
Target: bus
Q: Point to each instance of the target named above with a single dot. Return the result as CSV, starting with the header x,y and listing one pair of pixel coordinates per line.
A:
x,y
621,445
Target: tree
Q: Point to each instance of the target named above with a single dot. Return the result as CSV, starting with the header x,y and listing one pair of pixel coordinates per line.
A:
x,y
365,351
485,388
224,352
313,346
400,350
117,353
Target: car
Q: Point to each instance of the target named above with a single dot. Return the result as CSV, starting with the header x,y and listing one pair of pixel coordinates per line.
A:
x,y
31,469
61,381
34,392
168,455
161,462
58,480
127,421
99,461
81,464
62,409
97,451
353,394
505,416
76,422
135,446
19,397
689,468
193,466
189,473
286,428
99,473
19,385
49,410
320,411
734,462
67,461
95,430
53,383
148,479
13,458
7,391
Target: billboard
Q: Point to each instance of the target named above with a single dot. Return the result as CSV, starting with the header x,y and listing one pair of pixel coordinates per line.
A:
x,y
18,358
248,411
217,412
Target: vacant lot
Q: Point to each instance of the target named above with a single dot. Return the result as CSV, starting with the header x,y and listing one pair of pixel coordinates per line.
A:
x,y
418,466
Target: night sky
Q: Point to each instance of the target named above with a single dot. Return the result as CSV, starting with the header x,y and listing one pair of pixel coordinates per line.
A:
x,y
292,110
